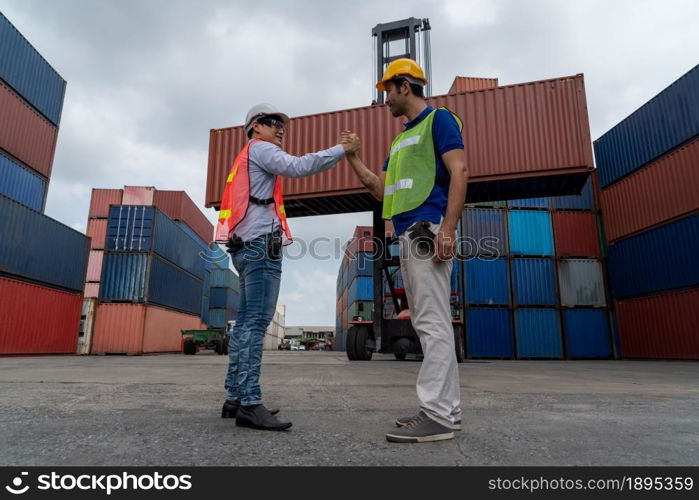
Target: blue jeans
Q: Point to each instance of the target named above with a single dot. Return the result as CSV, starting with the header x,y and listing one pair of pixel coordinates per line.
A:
x,y
260,277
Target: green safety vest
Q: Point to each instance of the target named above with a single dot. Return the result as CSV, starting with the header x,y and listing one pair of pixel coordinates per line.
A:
x,y
412,168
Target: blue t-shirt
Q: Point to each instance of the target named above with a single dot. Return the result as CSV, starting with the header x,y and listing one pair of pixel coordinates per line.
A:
x,y
447,137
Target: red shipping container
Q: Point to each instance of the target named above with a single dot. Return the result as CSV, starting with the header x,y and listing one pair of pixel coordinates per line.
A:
x,y
576,234
94,265
138,195
537,133
92,290
38,320
25,134
139,329
661,326
470,84
178,206
97,231
666,189
101,199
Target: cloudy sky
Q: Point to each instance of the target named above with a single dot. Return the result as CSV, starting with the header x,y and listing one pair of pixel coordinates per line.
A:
x,y
147,79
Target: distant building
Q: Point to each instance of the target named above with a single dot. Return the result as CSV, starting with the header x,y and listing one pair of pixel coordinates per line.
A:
x,y
311,337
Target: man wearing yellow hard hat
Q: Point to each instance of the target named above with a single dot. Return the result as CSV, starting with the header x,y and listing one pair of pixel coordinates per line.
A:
x,y
423,189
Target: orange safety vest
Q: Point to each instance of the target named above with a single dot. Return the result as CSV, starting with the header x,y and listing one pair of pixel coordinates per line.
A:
x,y
236,199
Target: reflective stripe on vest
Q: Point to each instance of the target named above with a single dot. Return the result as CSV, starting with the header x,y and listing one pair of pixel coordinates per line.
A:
x,y
412,168
236,199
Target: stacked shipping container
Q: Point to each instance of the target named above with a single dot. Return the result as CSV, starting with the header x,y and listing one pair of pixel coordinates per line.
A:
x,y
533,280
147,269
650,205
42,262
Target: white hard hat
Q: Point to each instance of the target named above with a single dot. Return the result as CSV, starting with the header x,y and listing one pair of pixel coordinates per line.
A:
x,y
260,110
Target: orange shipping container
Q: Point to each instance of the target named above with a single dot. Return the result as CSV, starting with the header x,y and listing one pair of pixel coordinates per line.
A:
x,y
94,265
179,206
97,231
525,140
139,329
101,199
25,134
469,84
92,290
664,190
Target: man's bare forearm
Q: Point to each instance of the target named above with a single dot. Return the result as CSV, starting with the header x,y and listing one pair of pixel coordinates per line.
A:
x,y
457,197
370,180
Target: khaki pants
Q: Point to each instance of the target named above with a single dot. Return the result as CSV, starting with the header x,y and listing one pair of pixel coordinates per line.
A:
x,y
427,286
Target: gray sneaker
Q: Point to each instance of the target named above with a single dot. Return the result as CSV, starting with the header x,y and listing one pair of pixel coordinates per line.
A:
x,y
403,421
420,429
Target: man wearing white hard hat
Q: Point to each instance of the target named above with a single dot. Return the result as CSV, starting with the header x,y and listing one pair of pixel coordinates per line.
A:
x,y
252,223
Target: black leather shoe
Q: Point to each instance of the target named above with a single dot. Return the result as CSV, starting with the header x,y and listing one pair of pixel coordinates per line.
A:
x,y
230,409
259,417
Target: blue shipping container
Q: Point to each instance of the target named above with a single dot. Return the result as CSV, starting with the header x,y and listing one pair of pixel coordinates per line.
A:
x,y
205,310
538,333
531,232
205,251
661,259
148,278
224,278
529,203
489,333
534,282
38,248
487,282
484,232
587,333
224,298
141,228
361,264
668,120
22,184
583,201
219,318
28,73
361,288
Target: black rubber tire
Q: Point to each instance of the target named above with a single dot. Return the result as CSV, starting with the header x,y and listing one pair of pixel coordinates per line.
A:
x,y
190,347
351,339
400,356
361,346
459,343
219,346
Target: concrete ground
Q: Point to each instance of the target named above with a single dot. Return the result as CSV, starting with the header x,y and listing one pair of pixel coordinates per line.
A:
x,y
165,410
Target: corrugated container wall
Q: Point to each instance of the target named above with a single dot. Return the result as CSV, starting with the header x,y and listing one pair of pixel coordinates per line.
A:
x,y
576,234
139,329
29,237
660,259
22,184
25,134
538,333
28,73
531,233
489,333
666,121
534,282
484,232
488,282
178,206
37,320
581,283
469,84
97,231
146,277
519,131
661,326
665,190
101,199
587,333
142,228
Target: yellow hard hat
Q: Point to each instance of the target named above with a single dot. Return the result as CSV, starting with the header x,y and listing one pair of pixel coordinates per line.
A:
x,y
402,67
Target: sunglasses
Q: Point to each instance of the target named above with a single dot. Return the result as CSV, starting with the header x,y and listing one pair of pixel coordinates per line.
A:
x,y
272,122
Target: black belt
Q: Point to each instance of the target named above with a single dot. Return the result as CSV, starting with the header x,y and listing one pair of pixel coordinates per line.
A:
x,y
260,201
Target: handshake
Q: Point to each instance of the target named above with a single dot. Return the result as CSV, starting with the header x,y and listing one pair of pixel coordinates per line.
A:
x,y
350,142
